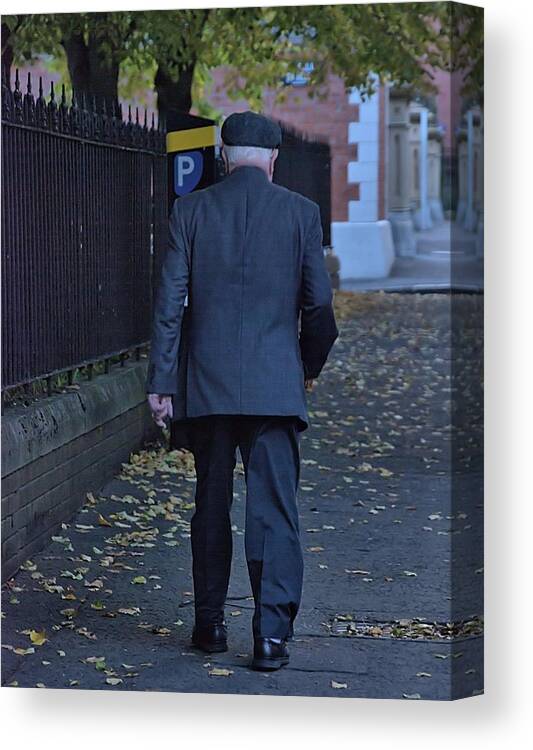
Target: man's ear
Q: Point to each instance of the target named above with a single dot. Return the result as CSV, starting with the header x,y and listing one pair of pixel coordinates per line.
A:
x,y
273,157
224,159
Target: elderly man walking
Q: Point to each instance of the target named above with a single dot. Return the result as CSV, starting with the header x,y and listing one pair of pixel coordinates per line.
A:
x,y
245,257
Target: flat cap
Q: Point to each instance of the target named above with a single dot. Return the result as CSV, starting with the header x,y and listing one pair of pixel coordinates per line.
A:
x,y
250,129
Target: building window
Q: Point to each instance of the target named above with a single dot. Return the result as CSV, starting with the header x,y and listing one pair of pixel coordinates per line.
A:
x,y
302,77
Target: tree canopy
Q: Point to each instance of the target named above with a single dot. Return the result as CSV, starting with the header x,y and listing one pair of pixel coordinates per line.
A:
x,y
175,50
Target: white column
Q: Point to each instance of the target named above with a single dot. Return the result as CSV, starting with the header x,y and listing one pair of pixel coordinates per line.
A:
x,y
398,173
364,171
480,232
461,176
423,213
470,217
435,169
364,243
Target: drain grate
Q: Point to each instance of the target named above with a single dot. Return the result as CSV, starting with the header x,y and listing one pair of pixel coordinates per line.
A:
x,y
417,629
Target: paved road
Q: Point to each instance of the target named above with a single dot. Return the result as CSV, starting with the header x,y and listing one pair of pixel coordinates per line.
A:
x,y
393,547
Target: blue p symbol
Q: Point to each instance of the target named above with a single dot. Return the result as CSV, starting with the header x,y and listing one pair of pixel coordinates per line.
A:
x,y
188,168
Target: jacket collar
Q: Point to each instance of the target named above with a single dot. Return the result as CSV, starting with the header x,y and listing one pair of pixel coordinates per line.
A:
x,y
248,170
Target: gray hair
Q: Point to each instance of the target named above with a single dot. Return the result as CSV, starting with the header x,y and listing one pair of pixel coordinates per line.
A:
x,y
243,154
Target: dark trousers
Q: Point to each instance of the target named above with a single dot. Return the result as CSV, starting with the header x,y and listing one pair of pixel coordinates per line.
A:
x,y
269,448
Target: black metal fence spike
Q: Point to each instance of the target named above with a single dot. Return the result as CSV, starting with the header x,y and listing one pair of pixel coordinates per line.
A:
x,y
53,114
145,137
18,113
129,130
41,114
115,123
75,114
64,119
96,119
29,104
107,120
151,134
83,115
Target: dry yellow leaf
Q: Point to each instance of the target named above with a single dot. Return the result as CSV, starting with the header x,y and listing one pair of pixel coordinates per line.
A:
x,y
38,637
220,672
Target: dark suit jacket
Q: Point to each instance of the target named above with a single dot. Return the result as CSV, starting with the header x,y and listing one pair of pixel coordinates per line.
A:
x,y
247,254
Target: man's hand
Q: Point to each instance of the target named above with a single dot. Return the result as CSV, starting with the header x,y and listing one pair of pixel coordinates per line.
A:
x,y
161,407
308,384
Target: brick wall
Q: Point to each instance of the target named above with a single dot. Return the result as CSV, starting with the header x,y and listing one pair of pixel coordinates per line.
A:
x,y
60,448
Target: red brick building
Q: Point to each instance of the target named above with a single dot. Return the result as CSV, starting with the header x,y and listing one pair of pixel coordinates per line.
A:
x,y
326,119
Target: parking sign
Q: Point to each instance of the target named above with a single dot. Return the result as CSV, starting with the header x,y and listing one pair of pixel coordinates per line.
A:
x,y
191,154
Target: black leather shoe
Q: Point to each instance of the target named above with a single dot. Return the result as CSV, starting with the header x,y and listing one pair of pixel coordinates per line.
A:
x,y
269,655
210,638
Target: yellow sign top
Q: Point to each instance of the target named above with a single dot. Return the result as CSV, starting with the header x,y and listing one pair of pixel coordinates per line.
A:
x,y
183,140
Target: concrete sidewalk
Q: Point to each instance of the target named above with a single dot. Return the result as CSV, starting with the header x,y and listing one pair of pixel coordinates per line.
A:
x,y
446,258
112,593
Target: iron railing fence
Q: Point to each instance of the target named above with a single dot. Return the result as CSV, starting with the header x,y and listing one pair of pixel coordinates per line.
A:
x,y
84,227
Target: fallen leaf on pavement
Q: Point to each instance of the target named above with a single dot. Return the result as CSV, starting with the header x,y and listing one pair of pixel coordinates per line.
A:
x,y
220,672
37,637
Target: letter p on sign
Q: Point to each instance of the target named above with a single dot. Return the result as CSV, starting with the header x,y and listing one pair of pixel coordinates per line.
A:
x,y
188,168
185,167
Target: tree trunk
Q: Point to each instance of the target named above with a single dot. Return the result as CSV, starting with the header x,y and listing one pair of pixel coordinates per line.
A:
x,y
7,50
89,72
78,62
173,95
104,73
